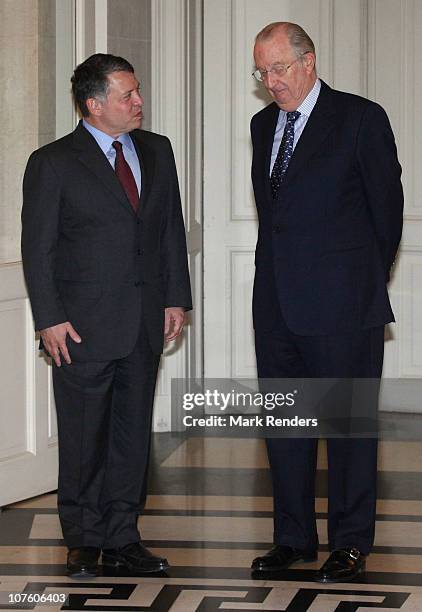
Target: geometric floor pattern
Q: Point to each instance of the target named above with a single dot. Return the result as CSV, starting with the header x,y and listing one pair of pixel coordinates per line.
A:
x,y
184,596
209,511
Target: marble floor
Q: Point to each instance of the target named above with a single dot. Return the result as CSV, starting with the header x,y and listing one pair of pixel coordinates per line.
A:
x,y
209,512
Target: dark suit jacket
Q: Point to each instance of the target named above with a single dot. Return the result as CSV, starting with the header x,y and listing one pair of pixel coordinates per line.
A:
x,y
326,244
88,258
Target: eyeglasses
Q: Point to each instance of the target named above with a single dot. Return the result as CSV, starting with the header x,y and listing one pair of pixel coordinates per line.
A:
x,y
278,69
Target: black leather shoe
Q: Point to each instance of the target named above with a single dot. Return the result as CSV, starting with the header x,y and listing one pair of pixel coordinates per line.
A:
x,y
135,558
281,557
83,562
342,565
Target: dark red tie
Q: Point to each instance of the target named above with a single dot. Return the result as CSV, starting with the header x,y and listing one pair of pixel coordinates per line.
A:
x,y
125,176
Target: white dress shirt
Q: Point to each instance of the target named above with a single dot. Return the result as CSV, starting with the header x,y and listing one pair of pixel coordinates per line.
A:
x,y
105,142
305,110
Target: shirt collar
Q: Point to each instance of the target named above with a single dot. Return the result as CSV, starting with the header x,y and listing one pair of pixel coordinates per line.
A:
x,y
105,141
309,102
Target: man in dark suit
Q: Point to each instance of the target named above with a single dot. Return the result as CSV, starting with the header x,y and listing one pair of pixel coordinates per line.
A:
x,y
105,262
329,198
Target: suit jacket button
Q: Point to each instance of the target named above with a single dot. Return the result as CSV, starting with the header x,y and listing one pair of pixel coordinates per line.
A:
x,y
137,284
277,229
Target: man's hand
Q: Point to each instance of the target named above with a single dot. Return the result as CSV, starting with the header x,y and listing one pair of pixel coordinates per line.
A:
x,y
54,340
174,318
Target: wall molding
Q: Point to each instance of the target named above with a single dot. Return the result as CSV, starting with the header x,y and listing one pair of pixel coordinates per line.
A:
x,y
326,38
101,30
241,263
175,79
91,31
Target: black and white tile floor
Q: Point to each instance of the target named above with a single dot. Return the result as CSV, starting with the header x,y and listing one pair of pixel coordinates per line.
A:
x,y
209,513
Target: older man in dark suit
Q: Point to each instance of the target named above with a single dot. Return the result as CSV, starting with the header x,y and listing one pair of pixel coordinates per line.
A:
x,y
105,261
329,198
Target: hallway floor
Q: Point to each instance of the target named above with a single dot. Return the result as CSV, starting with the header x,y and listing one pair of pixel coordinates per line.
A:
x,y
210,513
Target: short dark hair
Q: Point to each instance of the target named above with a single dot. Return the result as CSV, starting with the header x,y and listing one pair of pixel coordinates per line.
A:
x,y
90,80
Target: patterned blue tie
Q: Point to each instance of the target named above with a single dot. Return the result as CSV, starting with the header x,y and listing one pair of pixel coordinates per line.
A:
x,y
285,152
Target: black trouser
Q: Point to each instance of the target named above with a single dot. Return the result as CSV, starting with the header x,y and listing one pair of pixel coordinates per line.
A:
x,y
104,412
352,463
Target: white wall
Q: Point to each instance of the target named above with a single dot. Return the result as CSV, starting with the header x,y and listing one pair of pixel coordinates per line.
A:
x,y
369,47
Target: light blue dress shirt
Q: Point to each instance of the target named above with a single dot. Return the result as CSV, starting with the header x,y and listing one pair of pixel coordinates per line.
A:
x,y
305,109
105,142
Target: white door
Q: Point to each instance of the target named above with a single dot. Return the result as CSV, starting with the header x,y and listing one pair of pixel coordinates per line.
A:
x,y
362,47
28,430
28,436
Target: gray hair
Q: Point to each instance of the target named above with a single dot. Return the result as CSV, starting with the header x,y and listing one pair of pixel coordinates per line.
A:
x,y
299,40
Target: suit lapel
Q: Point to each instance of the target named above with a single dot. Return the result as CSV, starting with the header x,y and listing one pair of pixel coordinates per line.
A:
x,y
266,137
318,127
146,157
91,156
